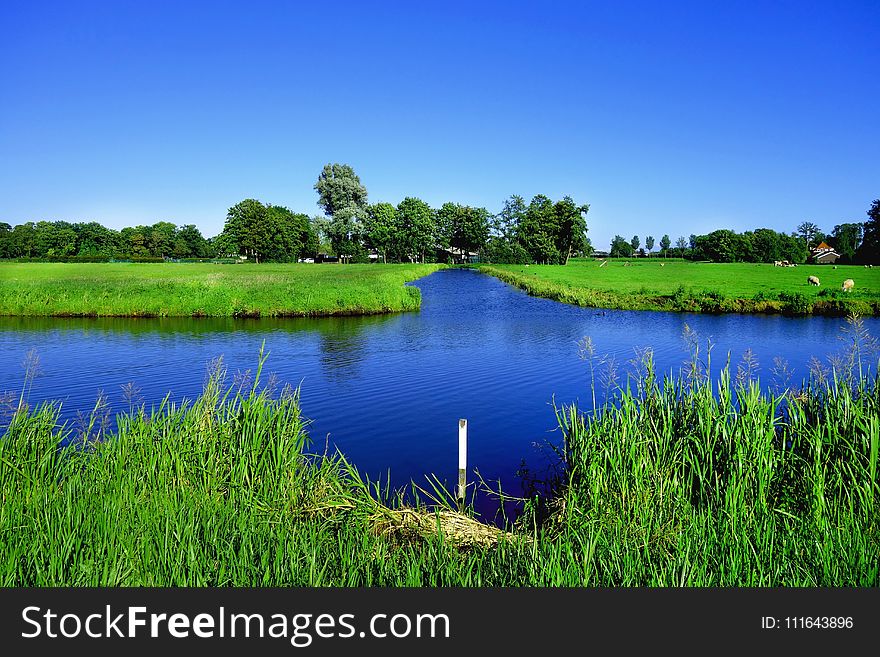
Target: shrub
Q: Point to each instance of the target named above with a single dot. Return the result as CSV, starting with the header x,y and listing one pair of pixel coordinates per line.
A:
x,y
796,303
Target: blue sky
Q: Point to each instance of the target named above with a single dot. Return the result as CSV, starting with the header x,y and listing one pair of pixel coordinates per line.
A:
x,y
670,118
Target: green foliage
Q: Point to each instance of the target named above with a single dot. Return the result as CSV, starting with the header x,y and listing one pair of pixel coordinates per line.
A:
x,y
694,480
808,232
846,239
620,248
249,230
380,228
796,303
500,250
344,200
416,229
60,240
339,187
548,232
869,251
463,228
267,233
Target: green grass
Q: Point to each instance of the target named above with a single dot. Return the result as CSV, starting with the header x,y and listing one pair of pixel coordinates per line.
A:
x,y
206,290
675,483
699,287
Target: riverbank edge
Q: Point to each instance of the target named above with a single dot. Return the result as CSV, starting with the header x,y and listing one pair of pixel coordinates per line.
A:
x,y
794,305
409,303
238,459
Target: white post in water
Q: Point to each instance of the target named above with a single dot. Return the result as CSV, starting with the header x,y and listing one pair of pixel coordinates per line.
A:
x,y
462,457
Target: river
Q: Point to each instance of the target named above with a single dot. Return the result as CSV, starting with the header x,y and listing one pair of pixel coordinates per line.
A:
x,y
389,390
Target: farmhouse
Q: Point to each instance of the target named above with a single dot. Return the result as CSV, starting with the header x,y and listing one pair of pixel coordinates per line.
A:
x,y
824,254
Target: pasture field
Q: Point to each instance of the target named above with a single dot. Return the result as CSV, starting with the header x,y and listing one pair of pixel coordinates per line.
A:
x,y
206,290
679,483
679,285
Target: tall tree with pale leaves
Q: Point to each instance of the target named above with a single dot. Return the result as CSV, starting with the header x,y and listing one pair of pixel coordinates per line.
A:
x,y
344,199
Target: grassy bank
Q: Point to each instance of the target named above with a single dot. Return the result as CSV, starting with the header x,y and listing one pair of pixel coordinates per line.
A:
x,y
699,287
206,290
671,485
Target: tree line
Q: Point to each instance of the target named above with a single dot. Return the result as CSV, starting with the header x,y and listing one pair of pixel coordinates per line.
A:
x,y
857,243
541,231
62,239
352,228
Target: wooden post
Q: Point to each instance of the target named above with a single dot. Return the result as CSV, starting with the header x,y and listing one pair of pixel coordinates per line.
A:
x,y
462,458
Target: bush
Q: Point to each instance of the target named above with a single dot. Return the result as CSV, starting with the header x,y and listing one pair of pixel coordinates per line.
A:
x,y
796,303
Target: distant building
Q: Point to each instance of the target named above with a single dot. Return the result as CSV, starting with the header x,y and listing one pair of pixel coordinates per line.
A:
x,y
457,255
824,254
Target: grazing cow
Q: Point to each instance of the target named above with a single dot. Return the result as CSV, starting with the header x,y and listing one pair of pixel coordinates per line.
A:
x,y
812,280
848,285
777,263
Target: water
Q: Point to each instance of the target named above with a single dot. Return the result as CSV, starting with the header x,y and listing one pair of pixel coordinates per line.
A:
x,y
389,390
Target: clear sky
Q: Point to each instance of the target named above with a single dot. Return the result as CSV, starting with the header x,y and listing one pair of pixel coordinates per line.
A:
x,y
666,117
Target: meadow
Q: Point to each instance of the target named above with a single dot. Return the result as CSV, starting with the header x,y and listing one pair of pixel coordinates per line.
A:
x,y
206,290
679,285
699,480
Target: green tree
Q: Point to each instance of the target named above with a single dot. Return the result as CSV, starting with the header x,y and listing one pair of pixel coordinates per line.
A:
x,y
5,240
344,199
634,243
462,228
681,244
718,246
248,230
321,228
290,234
664,244
54,238
22,240
846,239
160,240
539,230
93,239
649,243
571,226
194,245
346,231
507,222
808,232
869,251
380,228
417,229
620,248
339,187
766,246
